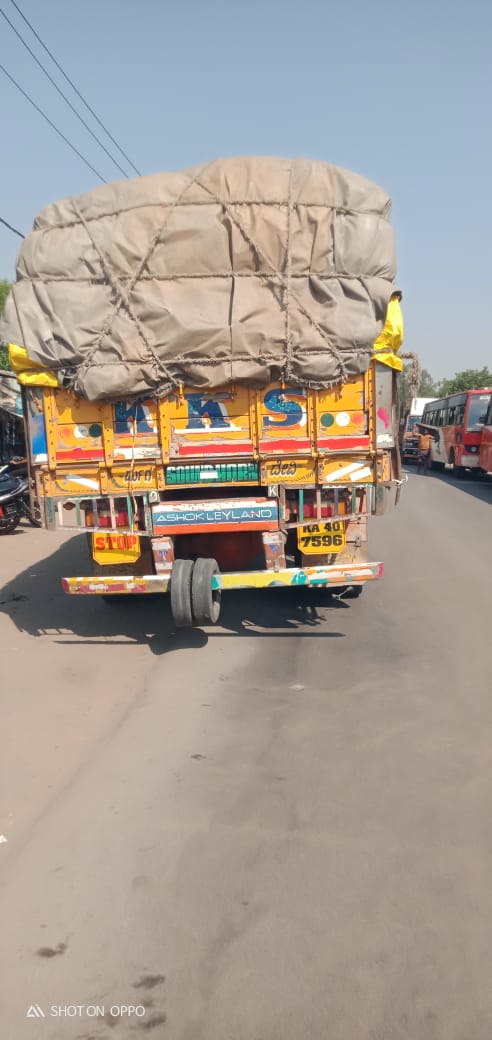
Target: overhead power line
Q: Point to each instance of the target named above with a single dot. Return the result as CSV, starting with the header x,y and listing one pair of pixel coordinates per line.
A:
x,y
55,128
72,84
61,93
9,226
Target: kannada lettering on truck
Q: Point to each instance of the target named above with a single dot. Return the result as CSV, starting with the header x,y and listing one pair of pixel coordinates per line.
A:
x,y
223,415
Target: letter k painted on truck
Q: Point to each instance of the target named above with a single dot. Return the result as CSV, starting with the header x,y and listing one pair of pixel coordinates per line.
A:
x,y
198,407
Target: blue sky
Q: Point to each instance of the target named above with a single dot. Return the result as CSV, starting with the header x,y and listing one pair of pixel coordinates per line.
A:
x,y
399,92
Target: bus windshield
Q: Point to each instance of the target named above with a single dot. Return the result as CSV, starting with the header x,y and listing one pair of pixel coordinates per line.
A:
x,y
412,419
477,412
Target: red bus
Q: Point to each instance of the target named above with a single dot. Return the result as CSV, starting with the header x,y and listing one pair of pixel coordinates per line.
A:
x,y
457,423
486,445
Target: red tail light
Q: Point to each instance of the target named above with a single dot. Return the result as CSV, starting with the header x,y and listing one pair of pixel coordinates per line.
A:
x,y
122,518
310,510
103,513
104,516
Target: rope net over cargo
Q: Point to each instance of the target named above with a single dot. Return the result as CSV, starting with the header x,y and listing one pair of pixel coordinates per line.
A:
x,y
239,271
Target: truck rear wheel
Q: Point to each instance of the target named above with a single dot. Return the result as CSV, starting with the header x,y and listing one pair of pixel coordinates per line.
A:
x,y
180,593
206,602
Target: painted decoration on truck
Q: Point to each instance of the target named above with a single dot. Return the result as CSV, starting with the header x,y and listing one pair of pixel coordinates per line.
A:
x,y
385,422
343,574
210,424
79,443
209,413
74,483
76,428
234,421
342,417
347,471
36,425
136,430
120,479
284,420
284,408
328,575
221,423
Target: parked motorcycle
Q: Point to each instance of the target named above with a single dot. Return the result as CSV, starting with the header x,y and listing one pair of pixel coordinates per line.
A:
x,y
10,502
15,499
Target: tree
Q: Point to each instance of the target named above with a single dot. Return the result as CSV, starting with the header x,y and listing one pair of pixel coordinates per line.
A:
x,y
5,288
404,388
426,386
469,379
4,354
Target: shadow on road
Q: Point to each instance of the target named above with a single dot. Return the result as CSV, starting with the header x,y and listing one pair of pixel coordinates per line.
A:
x,y
478,487
36,604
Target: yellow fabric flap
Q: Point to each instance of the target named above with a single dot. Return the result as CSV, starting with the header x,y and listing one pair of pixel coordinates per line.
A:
x,y
27,372
390,339
390,359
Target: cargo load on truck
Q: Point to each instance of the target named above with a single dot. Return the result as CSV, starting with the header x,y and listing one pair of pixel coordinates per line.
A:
x,y
209,368
239,271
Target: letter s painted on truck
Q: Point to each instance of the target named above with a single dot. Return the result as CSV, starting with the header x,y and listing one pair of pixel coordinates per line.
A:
x,y
286,403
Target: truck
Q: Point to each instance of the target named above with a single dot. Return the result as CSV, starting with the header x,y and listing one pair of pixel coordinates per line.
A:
x,y
411,417
263,479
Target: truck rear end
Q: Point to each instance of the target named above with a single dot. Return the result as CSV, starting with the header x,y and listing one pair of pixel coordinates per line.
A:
x,y
199,492
209,366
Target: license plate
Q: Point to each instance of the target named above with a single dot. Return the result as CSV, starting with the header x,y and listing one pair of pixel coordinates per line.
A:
x,y
112,547
322,537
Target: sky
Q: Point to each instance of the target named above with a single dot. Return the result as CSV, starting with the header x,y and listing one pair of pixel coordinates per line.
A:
x,y
399,92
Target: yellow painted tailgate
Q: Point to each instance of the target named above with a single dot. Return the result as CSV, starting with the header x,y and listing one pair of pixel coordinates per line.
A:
x,y
111,448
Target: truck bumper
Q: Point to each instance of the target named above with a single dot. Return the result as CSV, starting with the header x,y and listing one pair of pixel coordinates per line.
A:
x,y
345,574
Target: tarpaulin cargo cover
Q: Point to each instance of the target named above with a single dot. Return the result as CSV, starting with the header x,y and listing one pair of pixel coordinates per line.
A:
x,y
242,270
10,396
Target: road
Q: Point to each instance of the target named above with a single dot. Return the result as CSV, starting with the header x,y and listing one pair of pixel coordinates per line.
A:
x,y
276,830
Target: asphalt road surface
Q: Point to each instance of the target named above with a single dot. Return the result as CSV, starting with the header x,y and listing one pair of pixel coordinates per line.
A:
x,y
275,830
